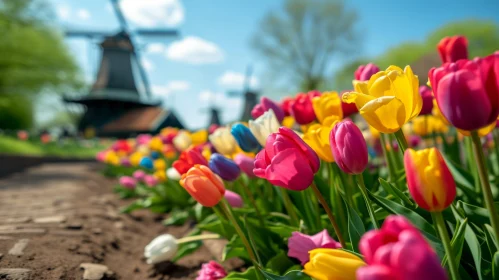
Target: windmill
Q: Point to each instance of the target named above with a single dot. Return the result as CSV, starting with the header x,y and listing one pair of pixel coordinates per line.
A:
x,y
250,96
115,106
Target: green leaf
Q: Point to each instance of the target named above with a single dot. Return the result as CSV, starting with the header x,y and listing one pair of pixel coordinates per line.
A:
x,y
292,275
177,218
490,239
477,215
281,229
280,263
463,178
495,266
393,190
187,249
235,248
136,205
249,274
355,227
457,243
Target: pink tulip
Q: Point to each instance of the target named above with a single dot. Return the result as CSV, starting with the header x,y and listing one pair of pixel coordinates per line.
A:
x,y
101,156
246,164
125,162
139,175
427,97
265,105
302,109
349,147
128,182
211,271
364,72
300,244
150,180
398,251
287,161
234,199
143,139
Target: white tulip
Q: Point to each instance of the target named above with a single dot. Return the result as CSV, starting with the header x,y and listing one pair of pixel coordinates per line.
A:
x,y
182,140
223,141
263,126
173,174
162,248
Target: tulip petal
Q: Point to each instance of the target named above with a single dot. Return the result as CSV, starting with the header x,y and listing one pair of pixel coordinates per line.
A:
x,y
375,272
386,114
289,169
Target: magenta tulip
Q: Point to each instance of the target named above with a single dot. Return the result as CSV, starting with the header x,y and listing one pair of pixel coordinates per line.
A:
x,y
265,105
246,164
349,147
139,175
299,244
467,92
398,251
128,182
427,97
234,199
301,107
287,161
364,72
150,180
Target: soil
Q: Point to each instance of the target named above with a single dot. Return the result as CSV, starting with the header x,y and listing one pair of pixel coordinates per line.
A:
x,y
66,215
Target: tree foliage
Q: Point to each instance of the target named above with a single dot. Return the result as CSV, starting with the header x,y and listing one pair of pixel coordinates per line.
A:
x,y
300,42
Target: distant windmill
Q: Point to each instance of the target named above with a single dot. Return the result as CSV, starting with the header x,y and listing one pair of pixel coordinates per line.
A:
x,y
114,105
250,96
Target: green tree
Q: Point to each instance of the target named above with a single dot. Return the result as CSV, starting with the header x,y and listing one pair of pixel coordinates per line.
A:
x,y
300,42
34,58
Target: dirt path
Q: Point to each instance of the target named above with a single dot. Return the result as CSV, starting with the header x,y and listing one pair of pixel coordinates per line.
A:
x,y
57,218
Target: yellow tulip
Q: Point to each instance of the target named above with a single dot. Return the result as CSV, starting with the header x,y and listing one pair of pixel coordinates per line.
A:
x,y
112,158
223,141
160,164
168,130
327,104
160,175
288,122
199,137
481,132
144,150
317,137
156,144
374,132
206,153
436,112
135,158
332,264
389,99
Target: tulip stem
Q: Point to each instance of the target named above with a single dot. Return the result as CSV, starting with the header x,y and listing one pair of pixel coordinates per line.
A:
x,y
252,200
370,209
484,179
388,158
401,140
289,206
330,215
197,238
228,212
438,219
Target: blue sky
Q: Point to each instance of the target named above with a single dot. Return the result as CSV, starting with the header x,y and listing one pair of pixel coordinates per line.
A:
x,y
213,51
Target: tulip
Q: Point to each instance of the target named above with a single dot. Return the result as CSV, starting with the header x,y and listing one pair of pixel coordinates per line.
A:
x,y
263,126
160,164
112,158
188,159
467,92
364,72
302,109
286,105
317,137
143,149
143,139
212,128
199,137
211,271
429,180
349,147
182,140
125,162
135,158
169,151
452,49
398,251
22,135
244,137
150,180
389,100
326,105
287,161
346,108
156,144
160,249
154,155
139,175
427,97
128,182
300,244
160,175
101,156
168,133
146,162
265,105
234,199
246,164
173,174
203,185
223,141
122,145
224,167
327,264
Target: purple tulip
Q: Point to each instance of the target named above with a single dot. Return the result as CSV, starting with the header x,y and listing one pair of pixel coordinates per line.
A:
x,y
246,164
349,147
300,244
224,167
234,199
265,105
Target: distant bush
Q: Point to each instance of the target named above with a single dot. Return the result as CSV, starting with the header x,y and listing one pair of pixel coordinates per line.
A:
x,y
16,112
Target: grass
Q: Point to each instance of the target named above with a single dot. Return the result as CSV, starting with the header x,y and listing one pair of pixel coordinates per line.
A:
x,y
67,148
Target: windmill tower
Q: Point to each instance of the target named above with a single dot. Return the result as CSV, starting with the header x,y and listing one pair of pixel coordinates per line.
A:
x,y
115,106
250,96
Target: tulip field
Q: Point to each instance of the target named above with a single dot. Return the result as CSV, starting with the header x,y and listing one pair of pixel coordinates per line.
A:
x,y
396,179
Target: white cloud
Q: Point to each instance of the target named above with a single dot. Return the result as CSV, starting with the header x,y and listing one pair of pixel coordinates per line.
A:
x,y
170,88
218,98
156,48
63,11
235,80
147,64
83,14
194,50
150,13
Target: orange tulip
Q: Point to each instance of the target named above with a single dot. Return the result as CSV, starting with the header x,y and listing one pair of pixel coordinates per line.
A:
x,y
203,185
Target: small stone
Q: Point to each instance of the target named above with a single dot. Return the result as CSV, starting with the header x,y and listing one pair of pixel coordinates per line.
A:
x,y
51,219
95,271
119,225
18,248
74,226
15,273
97,231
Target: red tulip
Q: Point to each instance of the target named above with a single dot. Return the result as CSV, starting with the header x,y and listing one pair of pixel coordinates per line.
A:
x,y
364,72
286,105
302,109
467,92
188,159
452,49
287,161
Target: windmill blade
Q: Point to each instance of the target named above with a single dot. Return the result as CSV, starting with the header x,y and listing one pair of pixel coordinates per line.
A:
x,y
86,33
119,15
157,32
